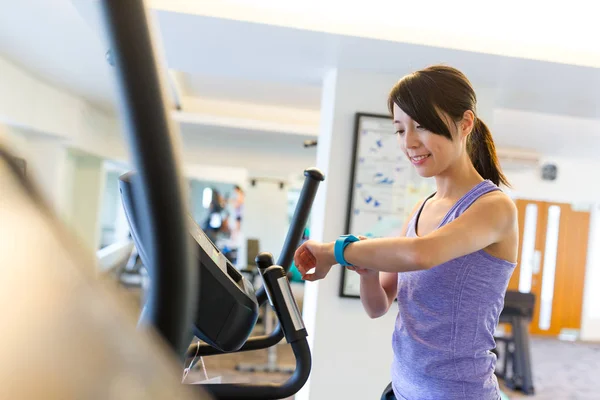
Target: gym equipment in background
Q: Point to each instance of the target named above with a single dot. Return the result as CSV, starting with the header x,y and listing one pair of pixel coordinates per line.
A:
x,y
162,233
90,347
227,306
150,133
517,367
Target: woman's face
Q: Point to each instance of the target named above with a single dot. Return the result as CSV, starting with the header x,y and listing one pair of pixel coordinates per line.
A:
x,y
429,153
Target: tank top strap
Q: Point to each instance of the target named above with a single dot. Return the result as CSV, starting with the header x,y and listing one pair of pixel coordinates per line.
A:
x,y
411,230
469,198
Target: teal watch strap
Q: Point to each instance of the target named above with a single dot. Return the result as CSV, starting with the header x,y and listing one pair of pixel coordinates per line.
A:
x,y
340,245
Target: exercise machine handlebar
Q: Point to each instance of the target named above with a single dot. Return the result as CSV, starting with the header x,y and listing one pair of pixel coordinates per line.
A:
x,y
254,343
282,300
268,391
150,136
313,177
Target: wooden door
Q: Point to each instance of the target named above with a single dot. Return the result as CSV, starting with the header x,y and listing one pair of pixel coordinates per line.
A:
x,y
553,240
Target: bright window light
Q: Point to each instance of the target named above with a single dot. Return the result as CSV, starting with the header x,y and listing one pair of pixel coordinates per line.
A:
x,y
549,267
528,253
207,197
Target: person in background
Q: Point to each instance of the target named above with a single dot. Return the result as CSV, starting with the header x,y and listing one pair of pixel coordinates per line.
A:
x,y
214,220
237,203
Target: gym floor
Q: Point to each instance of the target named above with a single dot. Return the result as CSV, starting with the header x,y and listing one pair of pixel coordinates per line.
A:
x,y
562,370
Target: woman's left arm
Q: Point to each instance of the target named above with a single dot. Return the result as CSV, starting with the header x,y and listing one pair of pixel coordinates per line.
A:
x,y
486,222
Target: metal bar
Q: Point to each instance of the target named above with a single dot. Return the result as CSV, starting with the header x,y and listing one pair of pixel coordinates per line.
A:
x,y
151,138
255,343
522,356
307,195
241,391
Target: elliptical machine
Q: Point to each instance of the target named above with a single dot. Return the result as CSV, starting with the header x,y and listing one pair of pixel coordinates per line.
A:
x,y
194,289
78,327
227,307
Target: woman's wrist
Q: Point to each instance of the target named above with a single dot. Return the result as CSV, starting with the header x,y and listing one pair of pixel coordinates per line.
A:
x,y
329,250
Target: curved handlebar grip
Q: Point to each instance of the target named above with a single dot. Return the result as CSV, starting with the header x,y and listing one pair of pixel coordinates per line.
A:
x,y
314,173
268,391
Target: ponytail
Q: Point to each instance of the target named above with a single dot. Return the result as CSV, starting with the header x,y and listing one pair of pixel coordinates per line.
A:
x,y
482,152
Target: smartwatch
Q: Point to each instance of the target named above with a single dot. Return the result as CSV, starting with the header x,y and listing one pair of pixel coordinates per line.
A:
x,y
340,245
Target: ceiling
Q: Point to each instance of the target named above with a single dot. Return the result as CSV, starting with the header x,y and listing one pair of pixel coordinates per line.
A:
x,y
225,58
52,41
267,92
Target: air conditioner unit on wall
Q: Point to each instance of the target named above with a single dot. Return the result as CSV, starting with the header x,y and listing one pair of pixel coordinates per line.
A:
x,y
518,159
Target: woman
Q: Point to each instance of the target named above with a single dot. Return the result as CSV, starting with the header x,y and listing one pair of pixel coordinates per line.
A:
x,y
451,268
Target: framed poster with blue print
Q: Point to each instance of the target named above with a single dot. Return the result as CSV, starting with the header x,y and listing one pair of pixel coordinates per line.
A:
x,y
384,187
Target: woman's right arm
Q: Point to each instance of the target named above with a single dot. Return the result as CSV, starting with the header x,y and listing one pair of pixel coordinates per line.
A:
x,y
377,292
378,289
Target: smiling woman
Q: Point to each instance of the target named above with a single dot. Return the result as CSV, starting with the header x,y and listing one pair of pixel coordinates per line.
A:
x,y
440,98
459,243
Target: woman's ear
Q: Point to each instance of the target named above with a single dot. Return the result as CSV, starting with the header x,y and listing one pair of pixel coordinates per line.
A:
x,y
468,123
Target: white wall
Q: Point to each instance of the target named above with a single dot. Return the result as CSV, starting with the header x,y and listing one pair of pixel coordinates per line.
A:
x,y
265,216
37,108
259,157
41,123
574,182
48,166
213,173
86,194
71,183
351,353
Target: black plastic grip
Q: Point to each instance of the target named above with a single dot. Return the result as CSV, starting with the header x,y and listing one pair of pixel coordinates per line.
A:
x,y
313,177
264,260
284,304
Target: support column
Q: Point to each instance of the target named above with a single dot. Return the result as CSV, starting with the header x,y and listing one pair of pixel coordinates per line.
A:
x,y
352,354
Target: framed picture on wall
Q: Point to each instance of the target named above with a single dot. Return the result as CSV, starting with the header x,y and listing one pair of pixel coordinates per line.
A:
x,y
384,187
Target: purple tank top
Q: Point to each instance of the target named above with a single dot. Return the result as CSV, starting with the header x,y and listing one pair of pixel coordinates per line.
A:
x,y
446,321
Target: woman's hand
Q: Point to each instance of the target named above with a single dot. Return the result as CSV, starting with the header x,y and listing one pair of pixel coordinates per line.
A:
x,y
320,257
314,255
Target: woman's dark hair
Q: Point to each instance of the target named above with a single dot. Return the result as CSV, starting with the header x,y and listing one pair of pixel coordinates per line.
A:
x,y
422,93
